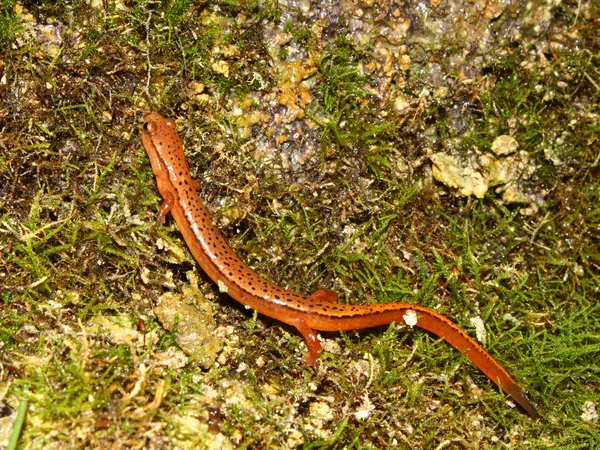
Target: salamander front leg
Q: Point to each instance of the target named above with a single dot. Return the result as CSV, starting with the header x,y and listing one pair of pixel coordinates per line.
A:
x,y
165,208
312,341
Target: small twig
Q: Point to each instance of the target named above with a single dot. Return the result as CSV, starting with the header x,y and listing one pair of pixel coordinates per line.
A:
x,y
149,76
591,80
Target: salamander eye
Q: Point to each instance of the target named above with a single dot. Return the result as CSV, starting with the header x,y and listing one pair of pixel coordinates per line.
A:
x,y
149,126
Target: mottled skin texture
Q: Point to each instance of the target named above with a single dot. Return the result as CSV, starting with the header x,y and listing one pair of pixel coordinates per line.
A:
x,y
319,311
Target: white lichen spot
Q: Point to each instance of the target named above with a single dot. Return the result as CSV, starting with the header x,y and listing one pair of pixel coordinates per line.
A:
x,y
362,414
510,318
410,318
172,358
222,287
401,103
365,409
480,331
589,413
551,154
145,275
330,345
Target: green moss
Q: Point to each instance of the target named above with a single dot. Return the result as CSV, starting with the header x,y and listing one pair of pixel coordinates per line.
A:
x,y
9,23
80,250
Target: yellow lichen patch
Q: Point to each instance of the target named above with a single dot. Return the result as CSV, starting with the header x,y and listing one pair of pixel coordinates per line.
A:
x,y
120,330
190,431
190,316
447,169
248,115
292,92
175,253
221,67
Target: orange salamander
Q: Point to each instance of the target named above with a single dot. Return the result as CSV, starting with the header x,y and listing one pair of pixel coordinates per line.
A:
x,y
318,311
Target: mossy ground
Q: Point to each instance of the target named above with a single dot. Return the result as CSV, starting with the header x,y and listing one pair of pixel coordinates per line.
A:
x,y
357,212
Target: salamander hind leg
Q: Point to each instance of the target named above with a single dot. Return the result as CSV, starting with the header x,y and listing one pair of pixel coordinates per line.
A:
x,y
312,341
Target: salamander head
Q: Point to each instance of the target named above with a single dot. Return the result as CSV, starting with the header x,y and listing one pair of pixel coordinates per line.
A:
x,y
154,122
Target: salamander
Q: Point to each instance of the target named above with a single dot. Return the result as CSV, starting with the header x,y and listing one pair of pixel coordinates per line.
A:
x,y
307,313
